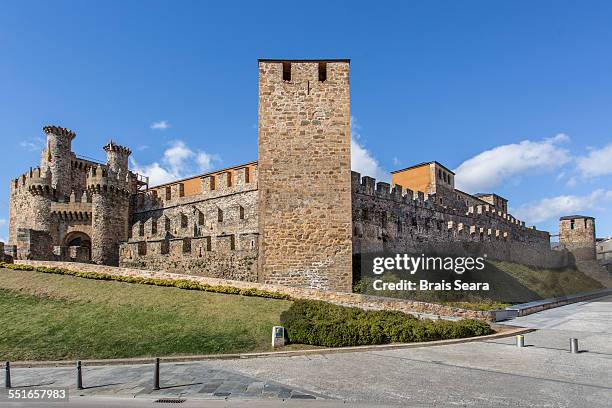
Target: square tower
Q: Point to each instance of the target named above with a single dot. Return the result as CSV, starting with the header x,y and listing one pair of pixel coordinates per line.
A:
x,y
577,234
305,174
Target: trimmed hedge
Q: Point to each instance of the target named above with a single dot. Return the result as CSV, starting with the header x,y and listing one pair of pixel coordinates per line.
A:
x,y
179,283
324,324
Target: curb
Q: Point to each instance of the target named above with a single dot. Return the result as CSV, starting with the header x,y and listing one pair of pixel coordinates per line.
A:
x,y
288,353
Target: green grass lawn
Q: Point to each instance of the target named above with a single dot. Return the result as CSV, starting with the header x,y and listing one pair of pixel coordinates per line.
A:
x,y
46,317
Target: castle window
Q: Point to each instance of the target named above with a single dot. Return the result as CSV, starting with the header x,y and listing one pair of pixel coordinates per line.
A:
x,y
241,212
322,71
186,245
247,175
168,193
167,224
572,224
142,248
184,221
585,223
154,226
232,242
200,218
219,215
181,190
141,229
439,173
286,71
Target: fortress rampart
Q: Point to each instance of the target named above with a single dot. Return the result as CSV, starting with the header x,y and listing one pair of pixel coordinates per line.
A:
x,y
401,220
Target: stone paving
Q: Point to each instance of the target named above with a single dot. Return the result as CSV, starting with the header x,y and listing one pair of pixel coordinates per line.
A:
x,y
194,380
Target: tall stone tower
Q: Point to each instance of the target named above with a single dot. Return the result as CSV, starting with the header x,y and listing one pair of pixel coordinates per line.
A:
x,y
56,157
577,234
110,188
305,173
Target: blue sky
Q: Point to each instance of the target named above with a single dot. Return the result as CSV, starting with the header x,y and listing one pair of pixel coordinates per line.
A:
x,y
517,96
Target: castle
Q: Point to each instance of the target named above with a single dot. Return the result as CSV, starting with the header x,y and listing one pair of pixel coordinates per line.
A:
x,y
297,216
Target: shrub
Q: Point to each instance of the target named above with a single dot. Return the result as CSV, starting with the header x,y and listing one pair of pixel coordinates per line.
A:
x,y
178,283
324,324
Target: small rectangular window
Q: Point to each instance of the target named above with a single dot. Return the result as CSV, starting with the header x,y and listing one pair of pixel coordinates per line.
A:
x,y
219,215
241,212
168,193
286,71
572,224
322,71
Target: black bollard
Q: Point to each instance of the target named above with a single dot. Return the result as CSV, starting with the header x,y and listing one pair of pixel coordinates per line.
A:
x,y
156,375
79,376
7,375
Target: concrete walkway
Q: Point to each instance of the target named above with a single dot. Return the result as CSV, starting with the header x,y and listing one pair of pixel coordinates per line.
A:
x,y
491,373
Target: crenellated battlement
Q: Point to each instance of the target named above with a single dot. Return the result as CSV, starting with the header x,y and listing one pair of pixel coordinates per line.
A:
x,y
113,147
367,185
398,213
101,180
36,181
59,131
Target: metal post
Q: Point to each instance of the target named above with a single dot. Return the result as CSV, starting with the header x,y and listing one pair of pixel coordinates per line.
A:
x,y
7,375
574,346
520,341
156,375
79,376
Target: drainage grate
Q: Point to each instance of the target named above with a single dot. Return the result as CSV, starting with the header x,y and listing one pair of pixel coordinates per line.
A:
x,y
170,401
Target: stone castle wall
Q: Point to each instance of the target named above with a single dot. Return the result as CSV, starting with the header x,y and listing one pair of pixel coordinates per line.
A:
x,y
304,170
403,221
212,233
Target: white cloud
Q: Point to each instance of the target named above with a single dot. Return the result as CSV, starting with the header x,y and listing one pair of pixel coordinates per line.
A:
x,y
492,167
161,125
396,161
555,207
362,160
178,161
33,145
597,163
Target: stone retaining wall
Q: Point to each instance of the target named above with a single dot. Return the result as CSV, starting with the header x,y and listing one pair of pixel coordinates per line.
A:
x,y
345,299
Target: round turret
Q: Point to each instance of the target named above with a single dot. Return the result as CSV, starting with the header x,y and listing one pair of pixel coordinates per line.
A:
x,y
57,157
117,157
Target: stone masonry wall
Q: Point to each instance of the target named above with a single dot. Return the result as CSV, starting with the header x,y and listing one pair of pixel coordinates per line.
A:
x,y
213,233
304,170
403,221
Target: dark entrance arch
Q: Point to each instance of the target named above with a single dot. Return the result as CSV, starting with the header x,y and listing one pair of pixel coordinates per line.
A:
x,y
79,239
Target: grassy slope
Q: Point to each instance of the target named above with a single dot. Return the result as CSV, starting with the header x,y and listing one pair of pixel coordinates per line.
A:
x,y
48,316
511,283
548,283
